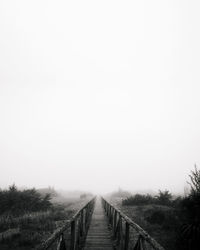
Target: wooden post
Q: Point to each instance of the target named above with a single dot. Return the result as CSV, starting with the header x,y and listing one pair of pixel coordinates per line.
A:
x,y
115,221
109,212
120,232
86,217
107,208
81,225
126,243
110,215
73,235
61,244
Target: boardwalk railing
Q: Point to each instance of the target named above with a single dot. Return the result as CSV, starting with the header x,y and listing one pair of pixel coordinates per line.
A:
x,y
72,235
127,234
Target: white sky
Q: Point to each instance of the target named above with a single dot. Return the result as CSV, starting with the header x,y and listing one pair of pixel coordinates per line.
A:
x,y
99,94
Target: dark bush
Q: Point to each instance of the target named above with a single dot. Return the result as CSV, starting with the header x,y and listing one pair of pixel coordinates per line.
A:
x,y
164,198
30,239
16,202
138,199
156,217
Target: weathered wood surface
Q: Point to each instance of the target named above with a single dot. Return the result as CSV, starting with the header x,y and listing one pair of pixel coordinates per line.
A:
x,y
99,235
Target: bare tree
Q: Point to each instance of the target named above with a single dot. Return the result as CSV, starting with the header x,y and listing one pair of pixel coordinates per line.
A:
x,y
195,180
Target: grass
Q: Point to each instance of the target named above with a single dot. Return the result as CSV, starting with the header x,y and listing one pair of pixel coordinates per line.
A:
x,y
161,222
36,227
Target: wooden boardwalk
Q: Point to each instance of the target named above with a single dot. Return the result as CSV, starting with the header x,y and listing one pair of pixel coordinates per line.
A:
x,y
99,236
125,234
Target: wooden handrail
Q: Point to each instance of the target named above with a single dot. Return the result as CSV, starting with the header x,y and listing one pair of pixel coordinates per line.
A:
x,y
72,235
121,225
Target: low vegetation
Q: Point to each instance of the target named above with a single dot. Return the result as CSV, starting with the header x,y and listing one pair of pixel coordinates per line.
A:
x,y
16,202
163,198
27,217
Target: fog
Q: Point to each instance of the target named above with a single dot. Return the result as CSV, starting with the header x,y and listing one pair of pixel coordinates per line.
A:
x,y
99,94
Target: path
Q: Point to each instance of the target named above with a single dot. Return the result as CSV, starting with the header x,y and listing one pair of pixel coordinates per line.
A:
x,y
99,236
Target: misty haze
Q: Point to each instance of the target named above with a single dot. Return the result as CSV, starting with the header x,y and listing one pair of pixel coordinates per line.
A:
x,y
99,125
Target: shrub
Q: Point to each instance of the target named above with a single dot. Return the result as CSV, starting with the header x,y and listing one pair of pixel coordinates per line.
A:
x,y
29,239
164,197
156,217
16,202
138,199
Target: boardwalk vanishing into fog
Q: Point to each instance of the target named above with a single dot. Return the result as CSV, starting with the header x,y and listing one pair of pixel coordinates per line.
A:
x,y
99,236
99,225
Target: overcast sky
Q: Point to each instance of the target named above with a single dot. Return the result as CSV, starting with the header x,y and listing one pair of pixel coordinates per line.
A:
x,y
99,94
